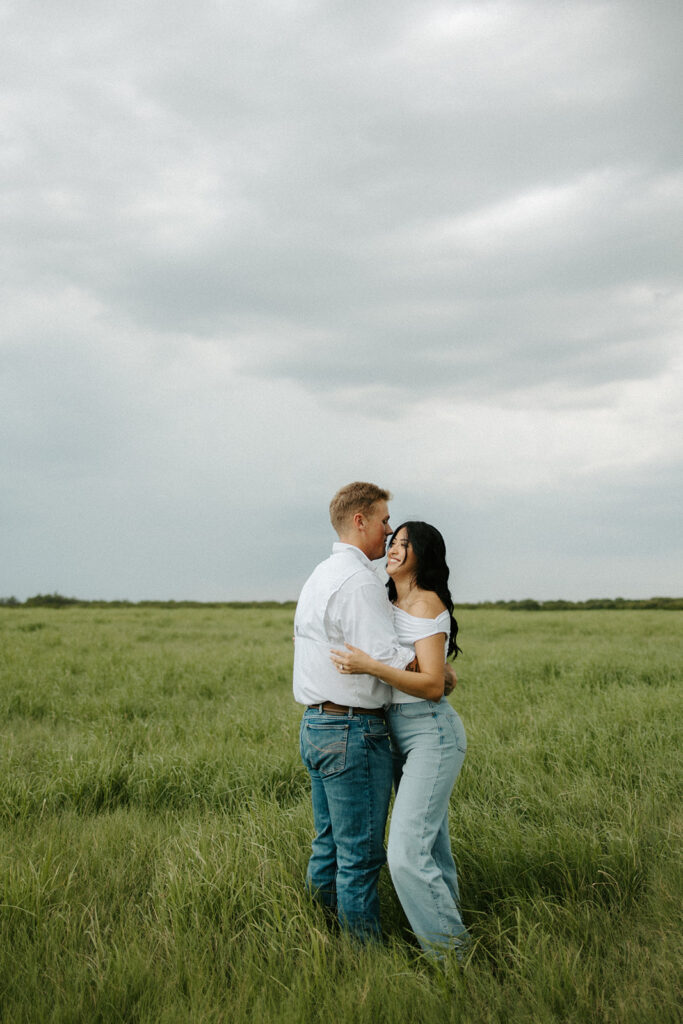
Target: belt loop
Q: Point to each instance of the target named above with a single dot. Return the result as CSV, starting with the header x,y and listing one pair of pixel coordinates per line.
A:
x,y
349,713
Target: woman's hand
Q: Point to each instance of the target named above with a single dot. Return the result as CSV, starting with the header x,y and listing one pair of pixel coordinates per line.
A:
x,y
352,661
425,679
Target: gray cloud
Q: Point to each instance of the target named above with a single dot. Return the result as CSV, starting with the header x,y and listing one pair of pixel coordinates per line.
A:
x,y
347,219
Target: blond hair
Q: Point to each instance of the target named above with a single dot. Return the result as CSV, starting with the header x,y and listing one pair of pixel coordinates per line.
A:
x,y
355,497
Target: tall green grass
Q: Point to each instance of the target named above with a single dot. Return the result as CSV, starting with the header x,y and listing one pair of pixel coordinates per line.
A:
x,y
155,825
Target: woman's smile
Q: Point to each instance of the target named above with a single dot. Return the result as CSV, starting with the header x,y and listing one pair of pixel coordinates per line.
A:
x,y
400,554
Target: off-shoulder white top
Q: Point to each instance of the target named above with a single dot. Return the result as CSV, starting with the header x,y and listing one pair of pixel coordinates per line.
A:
x,y
410,628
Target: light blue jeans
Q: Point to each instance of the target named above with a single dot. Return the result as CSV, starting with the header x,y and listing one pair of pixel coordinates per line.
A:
x,y
349,760
430,745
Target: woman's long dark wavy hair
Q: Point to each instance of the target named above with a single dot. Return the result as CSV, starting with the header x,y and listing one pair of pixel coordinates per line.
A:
x,y
432,572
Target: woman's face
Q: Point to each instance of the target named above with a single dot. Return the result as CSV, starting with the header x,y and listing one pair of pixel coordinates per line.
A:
x,y
401,558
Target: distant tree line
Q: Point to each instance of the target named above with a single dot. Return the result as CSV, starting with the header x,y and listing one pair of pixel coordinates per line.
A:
x,y
527,605
59,601
530,605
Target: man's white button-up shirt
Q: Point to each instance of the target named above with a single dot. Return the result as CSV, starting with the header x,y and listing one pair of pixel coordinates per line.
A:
x,y
343,600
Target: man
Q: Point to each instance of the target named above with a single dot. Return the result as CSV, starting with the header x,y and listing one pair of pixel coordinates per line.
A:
x,y
344,738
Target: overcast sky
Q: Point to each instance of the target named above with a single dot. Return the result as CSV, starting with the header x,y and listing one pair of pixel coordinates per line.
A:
x,y
252,251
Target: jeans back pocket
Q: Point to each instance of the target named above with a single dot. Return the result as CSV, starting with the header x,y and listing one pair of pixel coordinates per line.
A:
x,y
323,746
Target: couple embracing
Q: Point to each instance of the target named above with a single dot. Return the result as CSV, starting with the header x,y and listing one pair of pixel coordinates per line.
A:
x,y
369,669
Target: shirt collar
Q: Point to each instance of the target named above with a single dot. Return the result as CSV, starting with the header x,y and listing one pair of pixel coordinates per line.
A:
x,y
339,546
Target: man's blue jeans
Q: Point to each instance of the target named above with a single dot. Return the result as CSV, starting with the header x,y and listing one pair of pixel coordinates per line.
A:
x,y
349,760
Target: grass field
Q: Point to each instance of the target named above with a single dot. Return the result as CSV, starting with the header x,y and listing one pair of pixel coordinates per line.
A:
x,y
156,825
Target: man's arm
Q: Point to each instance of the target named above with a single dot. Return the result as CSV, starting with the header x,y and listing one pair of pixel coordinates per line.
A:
x,y
450,680
364,616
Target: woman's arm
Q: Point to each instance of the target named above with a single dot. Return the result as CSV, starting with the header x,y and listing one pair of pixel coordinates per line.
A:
x,y
427,683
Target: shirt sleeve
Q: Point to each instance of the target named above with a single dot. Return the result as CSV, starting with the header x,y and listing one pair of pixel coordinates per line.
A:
x,y
364,617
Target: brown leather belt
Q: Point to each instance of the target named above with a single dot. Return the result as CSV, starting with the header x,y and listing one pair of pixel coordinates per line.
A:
x,y
343,709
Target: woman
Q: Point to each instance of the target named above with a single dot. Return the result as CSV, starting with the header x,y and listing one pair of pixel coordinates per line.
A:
x,y
427,734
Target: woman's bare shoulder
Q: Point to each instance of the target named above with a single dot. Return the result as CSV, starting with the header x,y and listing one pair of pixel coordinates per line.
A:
x,y
426,605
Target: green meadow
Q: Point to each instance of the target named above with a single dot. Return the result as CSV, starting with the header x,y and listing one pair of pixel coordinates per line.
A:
x,y
156,822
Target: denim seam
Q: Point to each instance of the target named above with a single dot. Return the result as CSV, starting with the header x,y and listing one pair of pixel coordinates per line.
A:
x,y
434,895
424,852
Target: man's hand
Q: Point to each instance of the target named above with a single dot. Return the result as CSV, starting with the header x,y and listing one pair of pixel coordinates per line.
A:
x,y
450,680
